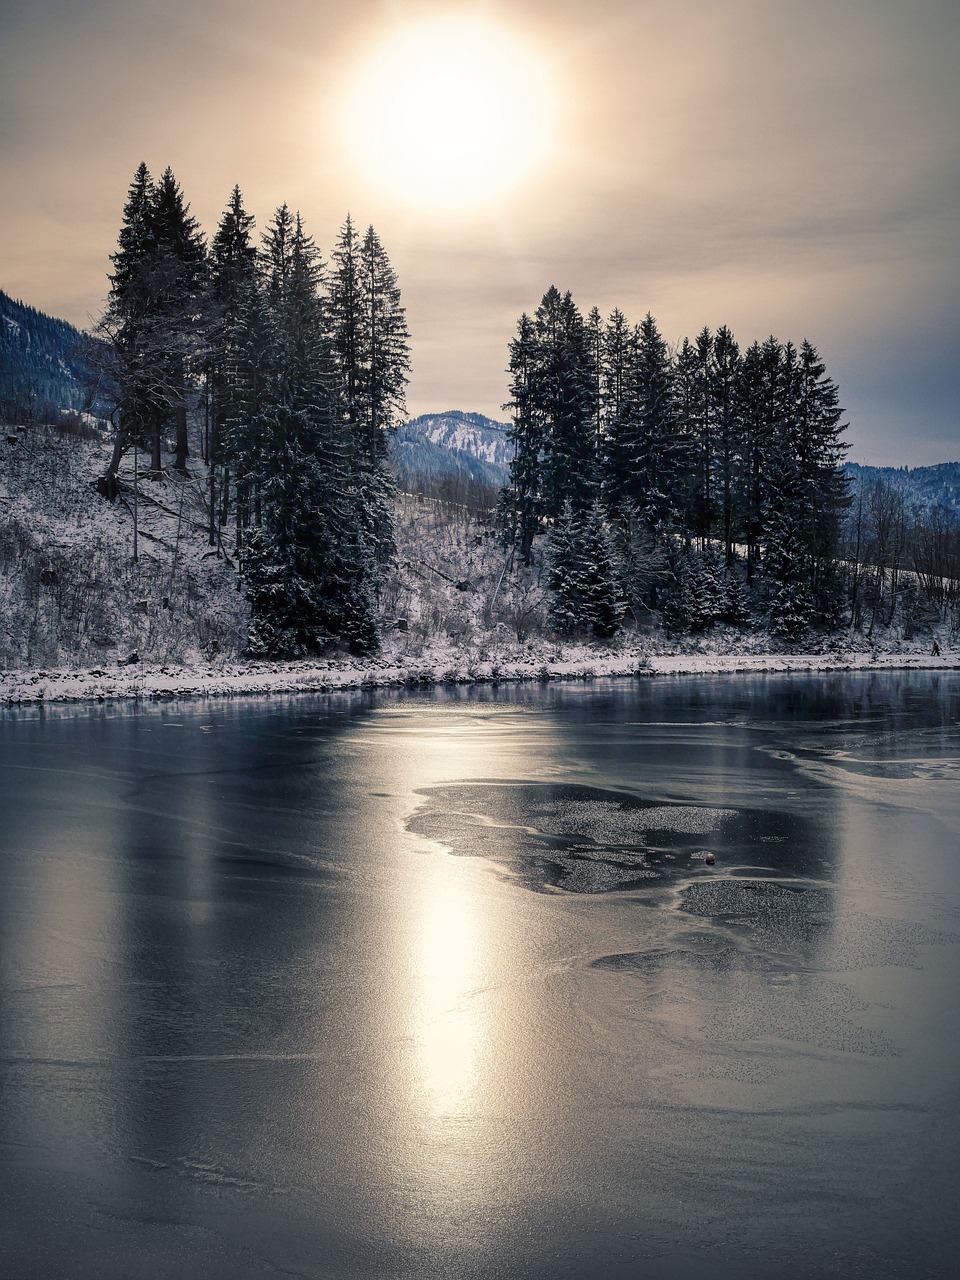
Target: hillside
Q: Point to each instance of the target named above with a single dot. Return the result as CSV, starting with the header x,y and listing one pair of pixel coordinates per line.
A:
x,y
47,367
70,591
924,487
71,594
454,445
72,597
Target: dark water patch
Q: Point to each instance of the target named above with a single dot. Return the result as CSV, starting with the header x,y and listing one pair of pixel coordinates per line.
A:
x,y
591,840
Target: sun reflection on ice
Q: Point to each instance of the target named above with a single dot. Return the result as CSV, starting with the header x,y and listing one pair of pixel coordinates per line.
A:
x,y
447,972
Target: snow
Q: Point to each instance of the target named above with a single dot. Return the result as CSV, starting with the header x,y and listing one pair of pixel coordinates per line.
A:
x,y
469,433
73,606
437,664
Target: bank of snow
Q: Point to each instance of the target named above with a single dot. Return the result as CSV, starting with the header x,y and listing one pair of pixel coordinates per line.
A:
x,y
403,666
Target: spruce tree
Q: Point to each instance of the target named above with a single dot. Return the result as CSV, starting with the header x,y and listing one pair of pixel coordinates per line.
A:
x,y
674,597
695,373
233,286
821,450
348,328
129,320
646,452
179,270
643,562
248,368
723,374
751,390
155,315
616,353
690,402
563,381
786,560
522,508
706,588
384,387
584,574
308,566
371,348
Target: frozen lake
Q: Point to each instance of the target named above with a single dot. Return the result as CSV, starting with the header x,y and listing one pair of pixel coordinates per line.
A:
x,y
443,985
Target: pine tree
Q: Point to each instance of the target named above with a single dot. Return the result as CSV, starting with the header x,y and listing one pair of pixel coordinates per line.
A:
x,y
521,506
129,322
646,453
179,275
584,574
233,287
722,376
563,384
371,349
309,566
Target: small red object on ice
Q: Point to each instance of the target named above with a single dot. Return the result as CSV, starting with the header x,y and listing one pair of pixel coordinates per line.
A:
x,y
709,859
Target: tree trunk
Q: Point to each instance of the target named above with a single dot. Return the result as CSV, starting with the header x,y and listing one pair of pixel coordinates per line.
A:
x,y
182,449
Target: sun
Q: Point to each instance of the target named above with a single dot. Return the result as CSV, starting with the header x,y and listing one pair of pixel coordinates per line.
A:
x,y
450,112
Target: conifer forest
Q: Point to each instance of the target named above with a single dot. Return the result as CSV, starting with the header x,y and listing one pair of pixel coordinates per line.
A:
x,y
298,370
674,486
703,481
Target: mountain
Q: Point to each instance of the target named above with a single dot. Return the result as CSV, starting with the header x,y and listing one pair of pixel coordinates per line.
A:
x,y
453,444
46,366
924,487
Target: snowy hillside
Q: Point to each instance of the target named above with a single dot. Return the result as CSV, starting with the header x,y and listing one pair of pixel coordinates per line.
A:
x,y
72,596
454,444
924,487
47,367
70,590
466,433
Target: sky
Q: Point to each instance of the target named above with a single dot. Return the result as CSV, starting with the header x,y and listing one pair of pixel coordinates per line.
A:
x,y
782,168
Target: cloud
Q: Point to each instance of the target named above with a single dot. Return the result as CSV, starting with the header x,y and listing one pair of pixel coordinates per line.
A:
x,y
780,168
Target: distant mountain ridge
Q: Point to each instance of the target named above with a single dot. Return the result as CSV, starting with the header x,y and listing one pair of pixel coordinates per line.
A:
x,y
46,370
461,444
924,487
453,444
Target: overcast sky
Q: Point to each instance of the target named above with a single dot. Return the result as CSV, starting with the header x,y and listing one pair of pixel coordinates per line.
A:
x,y
779,167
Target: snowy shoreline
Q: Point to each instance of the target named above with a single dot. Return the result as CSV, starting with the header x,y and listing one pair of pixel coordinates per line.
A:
x,y
442,666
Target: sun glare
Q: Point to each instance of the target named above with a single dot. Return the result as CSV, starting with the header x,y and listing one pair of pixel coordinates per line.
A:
x,y
450,112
